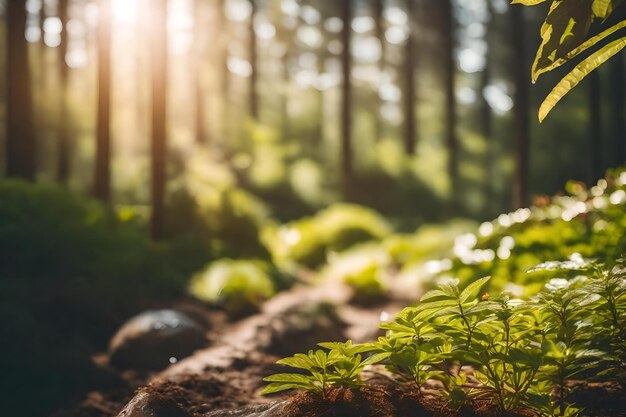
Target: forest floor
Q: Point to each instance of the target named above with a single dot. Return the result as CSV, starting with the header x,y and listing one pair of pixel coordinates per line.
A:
x,y
225,378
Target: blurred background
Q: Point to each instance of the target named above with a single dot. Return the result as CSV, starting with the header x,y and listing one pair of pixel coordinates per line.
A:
x,y
251,142
259,93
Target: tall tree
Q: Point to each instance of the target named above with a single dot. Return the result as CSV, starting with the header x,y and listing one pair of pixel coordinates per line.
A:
x,y
409,78
65,145
102,174
485,117
378,11
617,74
222,59
198,59
596,140
450,88
521,106
346,102
254,94
20,141
159,115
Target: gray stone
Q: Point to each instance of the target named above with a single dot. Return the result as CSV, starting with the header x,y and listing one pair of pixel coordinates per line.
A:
x,y
155,339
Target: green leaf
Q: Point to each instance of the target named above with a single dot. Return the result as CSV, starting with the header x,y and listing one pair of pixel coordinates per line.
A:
x,y
603,8
288,378
565,28
278,387
583,69
298,361
528,2
581,48
471,291
434,294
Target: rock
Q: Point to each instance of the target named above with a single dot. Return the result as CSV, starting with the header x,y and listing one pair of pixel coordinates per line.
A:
x,y
154,339
147,404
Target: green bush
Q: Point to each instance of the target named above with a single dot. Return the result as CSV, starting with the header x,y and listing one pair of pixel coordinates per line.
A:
x,y
307,242
72,270
238,286
587,223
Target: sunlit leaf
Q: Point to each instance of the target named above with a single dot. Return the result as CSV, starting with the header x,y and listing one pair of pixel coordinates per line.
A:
x,y
565,28
583,69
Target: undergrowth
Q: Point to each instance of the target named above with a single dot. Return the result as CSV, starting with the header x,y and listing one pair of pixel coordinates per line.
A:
x,y
517,353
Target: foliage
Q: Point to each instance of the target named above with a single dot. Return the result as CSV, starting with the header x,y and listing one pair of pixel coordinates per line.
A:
x,y
564,37
587,223
307,242
338,365
519,351
239,286
72,270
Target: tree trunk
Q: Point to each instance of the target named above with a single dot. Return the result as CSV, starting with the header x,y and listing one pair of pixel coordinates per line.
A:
x,y
521,108
379,9
224,30
346,105
65,145
20,140
596,140
198,59
102,177
485,117
618,110
450,87
159,115
409,90
254,94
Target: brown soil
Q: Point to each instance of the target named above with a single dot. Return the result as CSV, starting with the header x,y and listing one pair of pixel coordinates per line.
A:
x,y
225,377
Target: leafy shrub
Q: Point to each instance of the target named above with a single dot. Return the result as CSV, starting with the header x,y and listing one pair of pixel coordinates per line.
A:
x,y
588,222
363,268
521,351
307,242
71,271
238,286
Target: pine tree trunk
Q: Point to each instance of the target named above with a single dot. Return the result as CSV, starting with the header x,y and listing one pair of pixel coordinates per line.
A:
x,y
254,94
486,115
198,59
102,177
596,140
450,87
618,110
65,145
20,140
521,107
409,78
346,102
159,115
379,8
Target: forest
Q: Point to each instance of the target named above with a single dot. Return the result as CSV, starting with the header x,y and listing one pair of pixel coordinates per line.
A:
x,y
316,208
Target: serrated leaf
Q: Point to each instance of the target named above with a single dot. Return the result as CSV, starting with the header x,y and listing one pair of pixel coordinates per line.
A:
x,y
288,378
583,69
471,291
296,362
278,387
433,294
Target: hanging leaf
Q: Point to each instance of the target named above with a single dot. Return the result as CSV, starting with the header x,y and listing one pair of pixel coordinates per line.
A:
x,y
528,2
603,8
565,28
586,45
583,69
